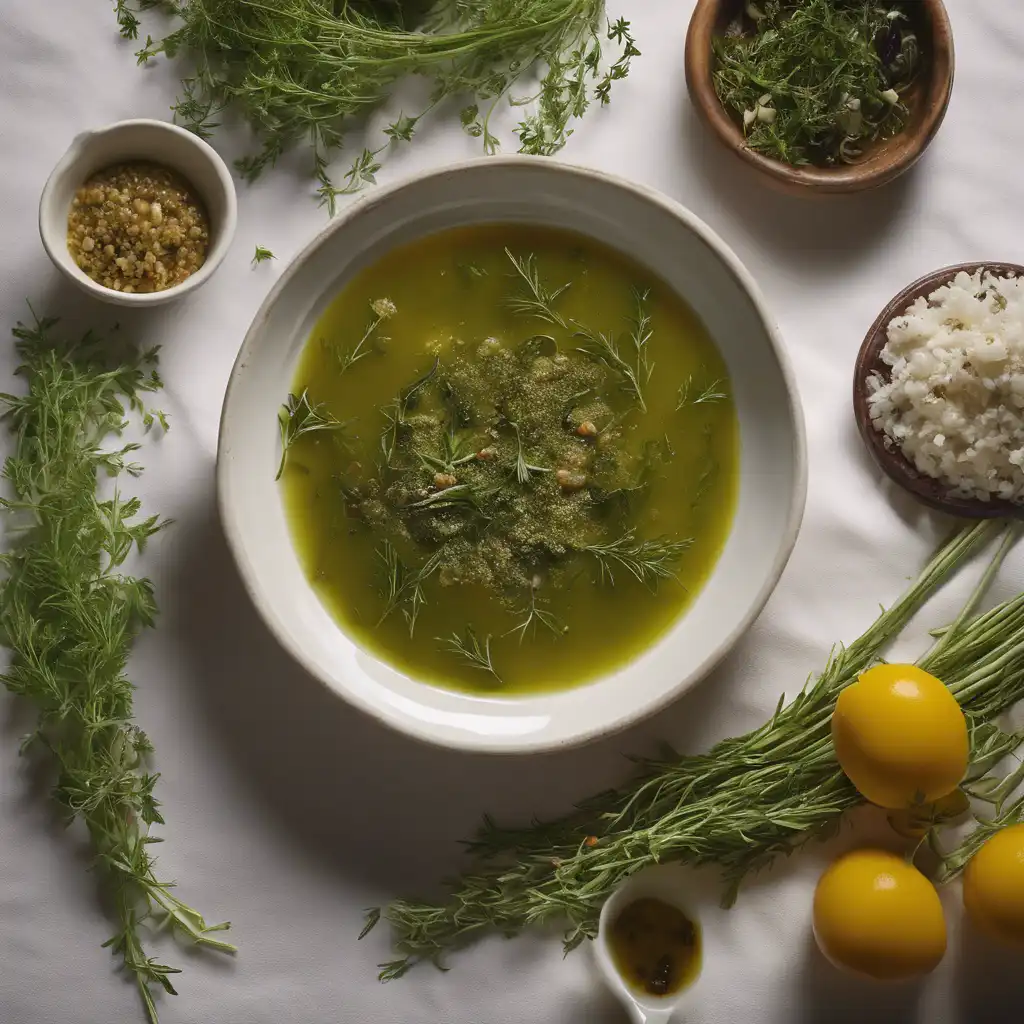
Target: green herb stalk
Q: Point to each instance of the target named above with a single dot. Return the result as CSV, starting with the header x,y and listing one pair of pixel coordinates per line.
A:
x,y
739,806
305,69
68,615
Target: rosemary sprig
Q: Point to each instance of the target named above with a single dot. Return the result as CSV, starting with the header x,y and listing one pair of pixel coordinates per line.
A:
x,y
647,561
262,255
535,300
740,806
709,394
300,70
471,650
298,417
640,334
381,310
603,348
69,614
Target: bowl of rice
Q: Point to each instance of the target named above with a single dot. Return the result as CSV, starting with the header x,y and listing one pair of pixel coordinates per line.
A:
x,y
939,389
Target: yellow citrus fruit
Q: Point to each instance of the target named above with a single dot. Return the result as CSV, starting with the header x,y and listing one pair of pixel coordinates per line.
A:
x,y
877,915
900,736
994,886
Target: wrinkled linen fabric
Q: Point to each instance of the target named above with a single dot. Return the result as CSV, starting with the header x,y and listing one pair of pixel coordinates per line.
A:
x,y
289,813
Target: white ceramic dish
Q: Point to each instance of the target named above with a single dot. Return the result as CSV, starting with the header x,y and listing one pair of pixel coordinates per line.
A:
x,y
695,894
156,142
652,230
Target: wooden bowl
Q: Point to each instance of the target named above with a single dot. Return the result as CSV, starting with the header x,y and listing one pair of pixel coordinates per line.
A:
x,y
890,459
886,160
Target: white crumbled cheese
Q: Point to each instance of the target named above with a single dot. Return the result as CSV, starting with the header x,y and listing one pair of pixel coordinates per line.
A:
x,y
954,403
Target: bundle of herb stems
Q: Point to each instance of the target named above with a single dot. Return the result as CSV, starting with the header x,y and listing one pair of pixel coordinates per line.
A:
x,y
307,69
69,613
745,802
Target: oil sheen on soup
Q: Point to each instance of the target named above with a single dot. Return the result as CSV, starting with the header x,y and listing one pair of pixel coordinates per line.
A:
x,y
510,458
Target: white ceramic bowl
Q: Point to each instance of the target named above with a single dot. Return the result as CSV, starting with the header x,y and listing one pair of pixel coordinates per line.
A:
x,y
155,142
645,226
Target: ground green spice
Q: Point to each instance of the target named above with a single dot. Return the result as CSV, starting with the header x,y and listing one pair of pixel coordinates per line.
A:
x,y
499,470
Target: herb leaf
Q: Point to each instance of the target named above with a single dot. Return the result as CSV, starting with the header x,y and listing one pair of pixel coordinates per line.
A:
x,y
471,650
300,70
382,309
298,417
69,614
706,395
603,348
814,81
262,255
536,301
739,806
648,561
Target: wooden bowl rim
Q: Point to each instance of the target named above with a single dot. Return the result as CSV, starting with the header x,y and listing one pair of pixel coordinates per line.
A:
x,y
890,459
699,67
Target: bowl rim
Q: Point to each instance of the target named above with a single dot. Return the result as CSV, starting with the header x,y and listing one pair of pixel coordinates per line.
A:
x,y
699,65
67,167
501,744
889,459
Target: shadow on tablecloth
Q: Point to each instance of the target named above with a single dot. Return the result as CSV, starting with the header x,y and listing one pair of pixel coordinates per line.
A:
x,y
368,802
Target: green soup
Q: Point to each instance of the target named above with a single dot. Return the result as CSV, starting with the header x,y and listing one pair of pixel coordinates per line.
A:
x,y
511,458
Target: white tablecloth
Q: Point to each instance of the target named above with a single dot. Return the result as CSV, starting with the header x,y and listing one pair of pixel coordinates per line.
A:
x,y
288,812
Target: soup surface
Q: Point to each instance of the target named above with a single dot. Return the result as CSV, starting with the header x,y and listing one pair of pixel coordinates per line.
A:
x,y
510,458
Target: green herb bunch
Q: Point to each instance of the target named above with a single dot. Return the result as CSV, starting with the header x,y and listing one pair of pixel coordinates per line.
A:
x,y
305,69
69,613
746,801
816,81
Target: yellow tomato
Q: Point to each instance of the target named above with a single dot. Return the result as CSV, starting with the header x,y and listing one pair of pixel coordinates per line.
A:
x,y
875,914
994,886
900,736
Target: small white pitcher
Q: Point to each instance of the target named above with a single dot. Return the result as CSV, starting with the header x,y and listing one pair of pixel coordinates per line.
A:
x,y
672,885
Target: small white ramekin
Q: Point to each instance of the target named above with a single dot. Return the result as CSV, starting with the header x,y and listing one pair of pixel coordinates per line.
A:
x,y
155,142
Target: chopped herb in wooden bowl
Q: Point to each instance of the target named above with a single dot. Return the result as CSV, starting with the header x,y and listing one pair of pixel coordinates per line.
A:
x,y
822,96
818,81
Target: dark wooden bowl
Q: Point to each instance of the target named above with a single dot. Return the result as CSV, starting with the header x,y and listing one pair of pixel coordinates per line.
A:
x,y
890,459
886,160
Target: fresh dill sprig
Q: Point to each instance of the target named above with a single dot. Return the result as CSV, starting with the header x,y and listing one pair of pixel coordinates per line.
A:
x,y
647,561
404,587
299,417
536,300
740,806
534,615
706,395
603,348
301,70
816,81
470,649
381,310
69,614
641,333
262,255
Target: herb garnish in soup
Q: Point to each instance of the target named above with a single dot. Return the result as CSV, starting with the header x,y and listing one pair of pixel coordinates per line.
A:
x,y
509,459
